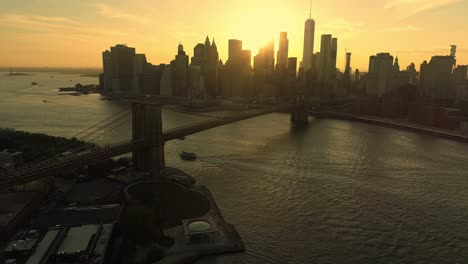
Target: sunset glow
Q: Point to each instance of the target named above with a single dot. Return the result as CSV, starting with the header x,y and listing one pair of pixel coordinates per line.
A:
x,y
58,33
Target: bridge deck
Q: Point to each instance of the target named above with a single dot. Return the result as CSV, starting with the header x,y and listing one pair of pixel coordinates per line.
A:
x,y
54,166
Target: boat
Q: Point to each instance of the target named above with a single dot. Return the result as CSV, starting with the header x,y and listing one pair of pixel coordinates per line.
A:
x,y
188,156
33,83
45,101
181,138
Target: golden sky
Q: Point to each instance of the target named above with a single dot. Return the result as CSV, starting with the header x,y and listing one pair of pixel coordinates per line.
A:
x,y
73,33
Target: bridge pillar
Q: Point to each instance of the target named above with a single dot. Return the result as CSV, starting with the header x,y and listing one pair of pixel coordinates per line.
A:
x,y
147,126
299,114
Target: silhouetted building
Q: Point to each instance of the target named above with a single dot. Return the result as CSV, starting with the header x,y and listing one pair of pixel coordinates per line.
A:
x,y
436,78
380,74
292,68
237,71
453,51
309,33
210,68
347,71
181,73
283,50
167,83
264,83
107,71
357,75
326,66
413,74
460,77
123,69
334,54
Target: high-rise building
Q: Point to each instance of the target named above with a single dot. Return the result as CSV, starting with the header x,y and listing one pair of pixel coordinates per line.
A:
x,y
235,48
237,71
453,51
181,73
380,74
347,71
107,71
436,77
325,65
309,33
334,54
357,75
282,55
123,69
292,67
413,74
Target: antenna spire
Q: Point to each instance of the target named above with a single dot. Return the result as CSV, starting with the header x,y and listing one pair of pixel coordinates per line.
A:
x,y
310,9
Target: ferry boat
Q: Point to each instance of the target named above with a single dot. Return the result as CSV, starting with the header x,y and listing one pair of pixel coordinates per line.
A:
x,y
188,156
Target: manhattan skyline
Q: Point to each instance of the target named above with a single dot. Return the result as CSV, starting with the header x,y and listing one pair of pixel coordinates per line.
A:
x,y
51,33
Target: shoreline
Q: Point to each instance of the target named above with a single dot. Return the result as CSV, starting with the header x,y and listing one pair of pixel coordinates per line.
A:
x,y
447,134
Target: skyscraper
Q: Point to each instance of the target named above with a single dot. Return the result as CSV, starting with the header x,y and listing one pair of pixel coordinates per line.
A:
x,y
107,71
334,54
436,77
123,68
347,71
380,74
325,64
453,50
282,55
309,32
181,73
237,71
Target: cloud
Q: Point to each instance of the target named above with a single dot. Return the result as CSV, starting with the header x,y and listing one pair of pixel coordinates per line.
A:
x,y
111,12
341,26
402,28
61,25
412,7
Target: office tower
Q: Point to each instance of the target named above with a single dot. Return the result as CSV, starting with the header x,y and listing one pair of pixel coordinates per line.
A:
x,y
237,71
347,71
282,55
235,48
210,67
107,71
325,59
436,77
292,67
357,75
396,65
453,51
123,68
413,74
167,82
460,78
181,73
205,77
198,55
334,54
269,53
309,33
380,74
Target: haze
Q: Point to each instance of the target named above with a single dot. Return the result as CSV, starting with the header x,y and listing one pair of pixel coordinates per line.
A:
x,y
59,33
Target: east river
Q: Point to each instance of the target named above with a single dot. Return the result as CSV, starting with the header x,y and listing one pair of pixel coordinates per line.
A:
x,y
336,192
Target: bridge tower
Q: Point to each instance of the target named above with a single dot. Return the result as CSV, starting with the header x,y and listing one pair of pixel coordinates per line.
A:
x,y
299,114
147,126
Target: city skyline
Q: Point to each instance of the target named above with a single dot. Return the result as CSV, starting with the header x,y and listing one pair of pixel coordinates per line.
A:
x,y
72,34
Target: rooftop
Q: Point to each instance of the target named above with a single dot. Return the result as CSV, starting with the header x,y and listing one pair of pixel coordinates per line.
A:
x,y
78,240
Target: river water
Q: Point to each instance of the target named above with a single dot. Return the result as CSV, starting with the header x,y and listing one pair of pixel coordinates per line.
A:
x,y
336,192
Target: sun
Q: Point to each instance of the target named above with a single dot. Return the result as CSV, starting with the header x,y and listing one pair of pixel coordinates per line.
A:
x,y
259,24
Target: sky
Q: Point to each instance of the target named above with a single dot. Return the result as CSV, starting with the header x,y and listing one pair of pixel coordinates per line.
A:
x,y
58,33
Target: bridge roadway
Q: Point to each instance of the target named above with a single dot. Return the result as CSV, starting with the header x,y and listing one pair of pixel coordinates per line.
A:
x,y
54,166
